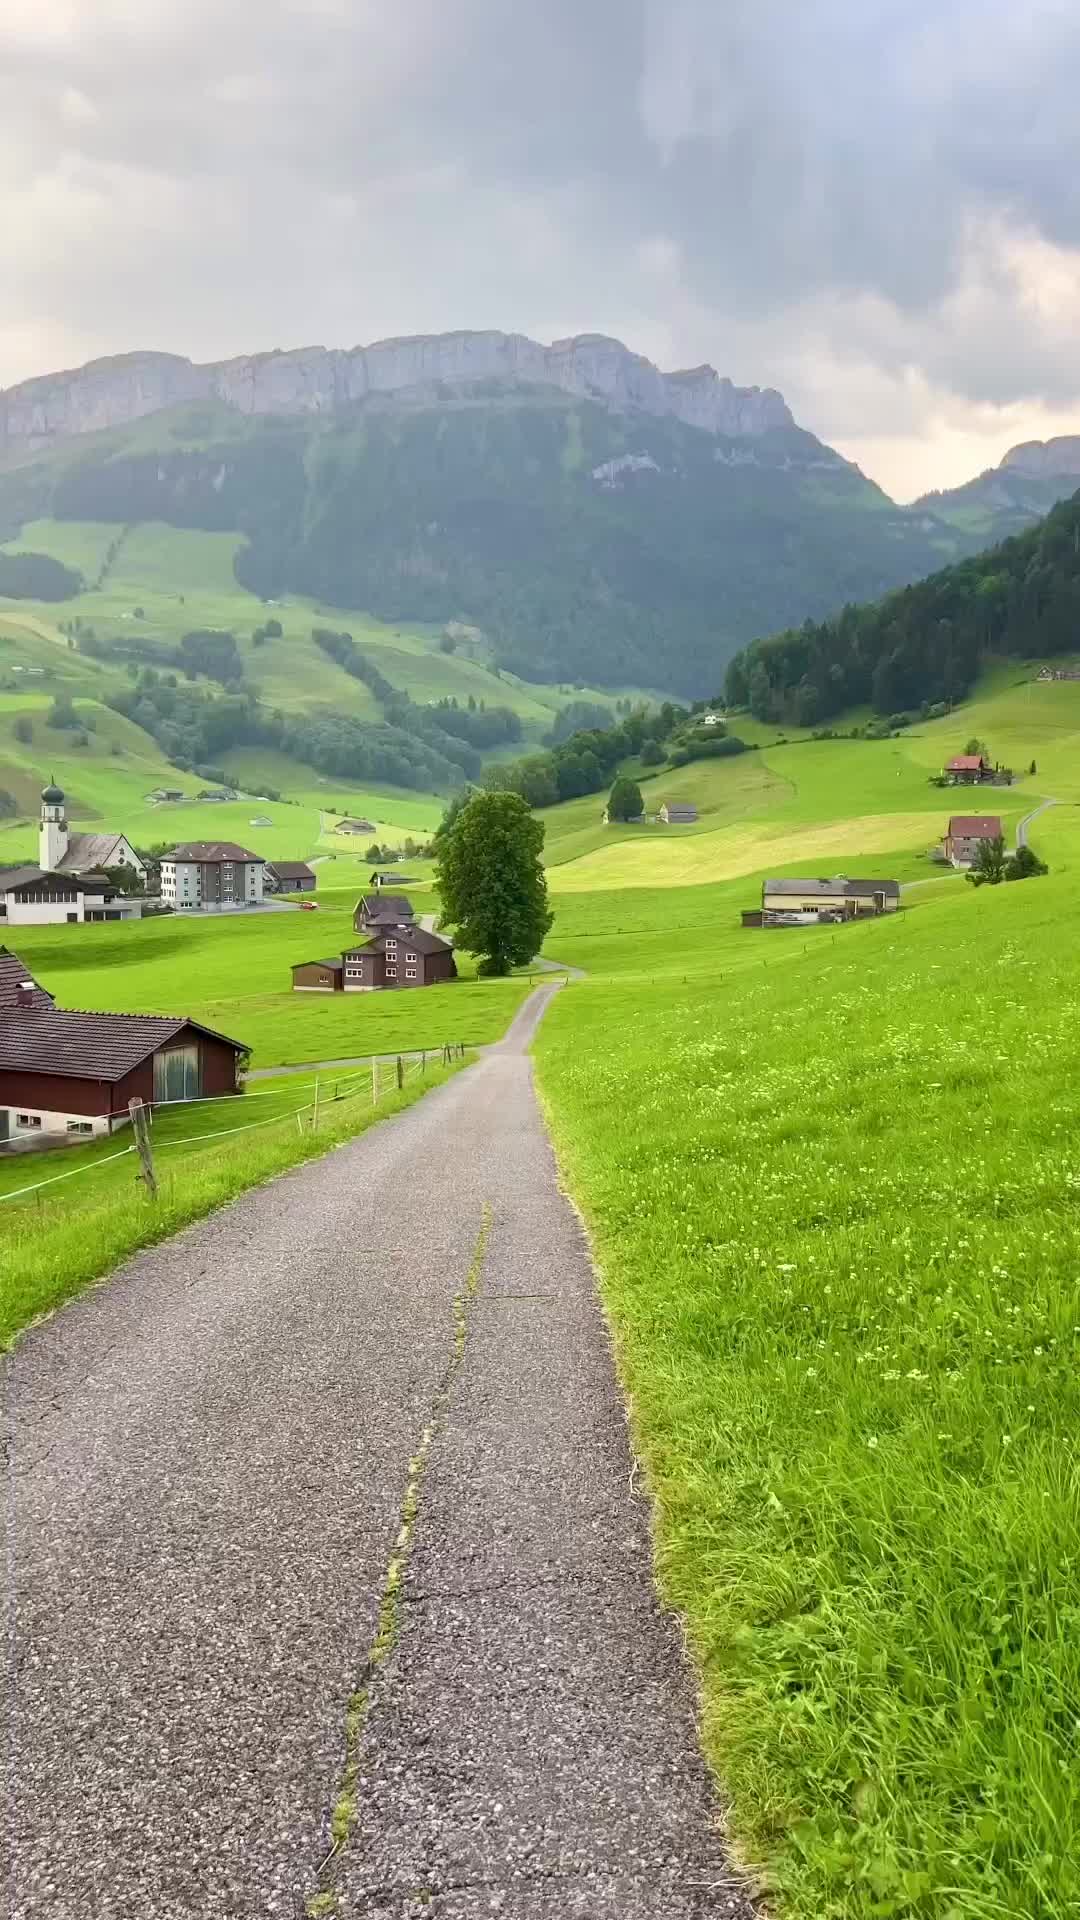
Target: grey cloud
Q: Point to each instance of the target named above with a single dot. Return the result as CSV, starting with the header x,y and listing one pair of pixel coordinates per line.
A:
x,y
215,179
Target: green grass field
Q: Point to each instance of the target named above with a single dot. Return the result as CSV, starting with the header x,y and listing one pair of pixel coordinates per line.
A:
x,y
232,972
831,1183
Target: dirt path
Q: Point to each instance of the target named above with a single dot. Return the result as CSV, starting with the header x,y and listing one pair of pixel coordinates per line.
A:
x,y
328,1570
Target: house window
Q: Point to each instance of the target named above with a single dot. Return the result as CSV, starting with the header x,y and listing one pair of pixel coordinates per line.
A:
x,y
391,973
410,956
28,1119
391,946
80,1126
410,973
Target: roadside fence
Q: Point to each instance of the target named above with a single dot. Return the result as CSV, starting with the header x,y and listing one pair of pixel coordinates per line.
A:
x,y
386,1076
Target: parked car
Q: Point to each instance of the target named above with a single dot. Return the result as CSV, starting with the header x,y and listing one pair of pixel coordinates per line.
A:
x,y
309,906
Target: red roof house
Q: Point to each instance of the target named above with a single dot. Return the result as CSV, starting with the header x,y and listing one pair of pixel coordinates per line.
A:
x,y
967,768
966,833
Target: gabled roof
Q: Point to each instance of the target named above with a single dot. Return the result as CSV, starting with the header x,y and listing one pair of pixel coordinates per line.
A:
x,y
975,826
416,937
679,809
386,906
210,853
839,888
90,1046
13,972
334,965
92,850
967,763
14,879
291,869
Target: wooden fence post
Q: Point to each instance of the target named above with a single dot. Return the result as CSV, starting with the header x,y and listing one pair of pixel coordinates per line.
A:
x,y
315,1107
400,1073
374,1083
423,1063
142,1142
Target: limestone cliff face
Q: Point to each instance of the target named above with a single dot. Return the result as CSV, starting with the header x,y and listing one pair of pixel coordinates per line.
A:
x,y
1046,458
311,380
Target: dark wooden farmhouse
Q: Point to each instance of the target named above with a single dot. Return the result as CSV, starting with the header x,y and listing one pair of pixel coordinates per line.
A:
x,y
318,976
677,813
289,876
376,911
398,956
74,1073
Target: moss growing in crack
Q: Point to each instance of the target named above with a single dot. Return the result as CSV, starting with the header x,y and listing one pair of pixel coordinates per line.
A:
x,y
388,1624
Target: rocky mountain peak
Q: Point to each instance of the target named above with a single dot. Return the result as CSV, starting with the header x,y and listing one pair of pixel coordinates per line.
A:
x,y
1046,458
114,392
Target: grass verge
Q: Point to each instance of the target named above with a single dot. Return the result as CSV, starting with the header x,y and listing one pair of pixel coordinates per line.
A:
x,y
835,1206
55,1244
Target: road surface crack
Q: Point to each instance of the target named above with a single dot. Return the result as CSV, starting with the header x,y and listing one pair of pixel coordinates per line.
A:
x,y
323,1902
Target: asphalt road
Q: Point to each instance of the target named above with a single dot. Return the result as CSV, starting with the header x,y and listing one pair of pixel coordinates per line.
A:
x,y
328,1503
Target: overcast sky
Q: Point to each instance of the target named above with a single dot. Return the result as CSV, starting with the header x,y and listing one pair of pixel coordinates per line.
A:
x,y
871,204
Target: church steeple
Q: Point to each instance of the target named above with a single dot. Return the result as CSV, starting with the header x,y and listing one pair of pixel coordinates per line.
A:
x,y
53,831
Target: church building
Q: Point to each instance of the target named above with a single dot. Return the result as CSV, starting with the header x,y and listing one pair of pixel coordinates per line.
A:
x,y
61,851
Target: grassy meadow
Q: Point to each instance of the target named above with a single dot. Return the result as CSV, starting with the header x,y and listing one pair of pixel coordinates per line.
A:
x,y
831,1182
232,972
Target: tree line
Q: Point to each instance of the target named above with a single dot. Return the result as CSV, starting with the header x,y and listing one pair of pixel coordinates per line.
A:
x,y
194,728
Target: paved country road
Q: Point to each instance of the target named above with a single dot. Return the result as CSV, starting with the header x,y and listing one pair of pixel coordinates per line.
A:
x,y
328,1573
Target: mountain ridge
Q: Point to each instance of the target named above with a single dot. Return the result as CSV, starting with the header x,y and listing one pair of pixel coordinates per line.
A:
x,y
307,381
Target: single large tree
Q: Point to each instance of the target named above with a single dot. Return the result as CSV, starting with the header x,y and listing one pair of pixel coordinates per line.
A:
x,y
989,868
493,887
625,801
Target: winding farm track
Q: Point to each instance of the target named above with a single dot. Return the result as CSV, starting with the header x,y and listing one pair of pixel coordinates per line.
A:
x,y
213,1462
1023,825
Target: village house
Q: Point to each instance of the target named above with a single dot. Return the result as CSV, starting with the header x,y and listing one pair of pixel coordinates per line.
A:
x,y
73,1074
382,878
211,876
677,813
799,902
61,851
355,826
289,876
968,769
377,911
967,833
399,956
30,896
1059,673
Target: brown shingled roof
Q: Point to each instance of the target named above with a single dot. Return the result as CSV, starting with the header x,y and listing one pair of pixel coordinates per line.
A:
x,y
211,853
13,972
975,826
90,1046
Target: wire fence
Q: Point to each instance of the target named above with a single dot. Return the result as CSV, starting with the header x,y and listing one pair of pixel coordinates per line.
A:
x,y
387,1076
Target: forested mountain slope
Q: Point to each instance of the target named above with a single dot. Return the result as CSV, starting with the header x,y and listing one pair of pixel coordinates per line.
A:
x,y
586,541
926,642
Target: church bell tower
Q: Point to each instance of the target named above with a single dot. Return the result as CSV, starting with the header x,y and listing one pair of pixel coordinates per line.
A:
x,y
53,832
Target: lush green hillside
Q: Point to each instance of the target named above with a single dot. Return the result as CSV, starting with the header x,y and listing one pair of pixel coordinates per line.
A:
x,y
926,643
584,544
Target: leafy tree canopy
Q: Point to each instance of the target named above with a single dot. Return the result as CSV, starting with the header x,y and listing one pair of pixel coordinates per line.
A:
x,y
492,883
